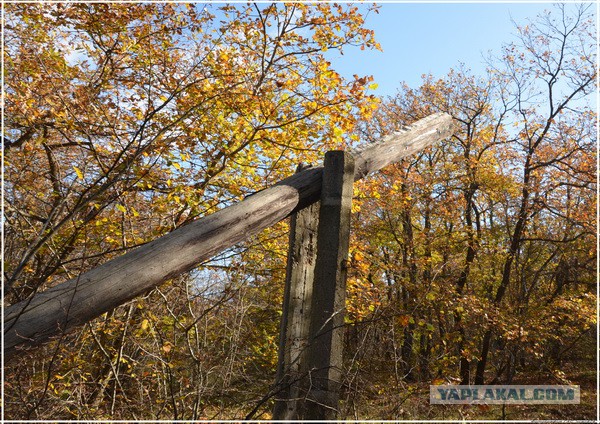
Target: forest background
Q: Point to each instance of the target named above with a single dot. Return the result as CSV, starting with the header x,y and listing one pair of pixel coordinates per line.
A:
x,y
473,261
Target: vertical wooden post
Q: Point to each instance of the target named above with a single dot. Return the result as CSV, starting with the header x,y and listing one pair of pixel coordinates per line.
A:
x,y
329,294
309,375
295,321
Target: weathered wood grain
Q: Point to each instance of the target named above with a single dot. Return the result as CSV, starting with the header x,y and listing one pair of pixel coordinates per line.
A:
x,y
292,366
326,336
74,302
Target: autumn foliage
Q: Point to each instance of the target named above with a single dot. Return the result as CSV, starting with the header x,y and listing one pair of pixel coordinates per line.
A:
x,y
474,261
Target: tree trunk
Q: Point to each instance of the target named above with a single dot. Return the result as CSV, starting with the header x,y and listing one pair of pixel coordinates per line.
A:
x,y
515,244
465,365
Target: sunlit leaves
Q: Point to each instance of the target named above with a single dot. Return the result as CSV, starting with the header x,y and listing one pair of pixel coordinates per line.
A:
x,y
439,230
127,121
168,108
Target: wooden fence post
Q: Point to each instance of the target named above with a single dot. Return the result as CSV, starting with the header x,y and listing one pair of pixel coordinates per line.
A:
x,y
329,294
311,339
295,319
72,303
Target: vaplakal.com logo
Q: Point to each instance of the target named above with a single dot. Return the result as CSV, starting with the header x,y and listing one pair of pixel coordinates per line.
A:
x,y
504,394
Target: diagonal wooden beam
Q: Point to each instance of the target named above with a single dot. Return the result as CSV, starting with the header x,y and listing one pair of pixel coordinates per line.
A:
x,y
79,300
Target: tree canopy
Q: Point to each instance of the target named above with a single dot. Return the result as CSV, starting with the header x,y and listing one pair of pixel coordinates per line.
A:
x,y
474,261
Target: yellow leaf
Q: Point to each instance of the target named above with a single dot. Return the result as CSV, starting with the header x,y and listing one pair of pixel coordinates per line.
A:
x,y
78,172
121,208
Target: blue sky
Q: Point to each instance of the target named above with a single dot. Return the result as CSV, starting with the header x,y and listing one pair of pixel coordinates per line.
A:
x,y
420,38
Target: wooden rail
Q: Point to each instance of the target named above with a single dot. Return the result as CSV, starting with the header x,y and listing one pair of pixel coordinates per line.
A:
x,y
79,300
